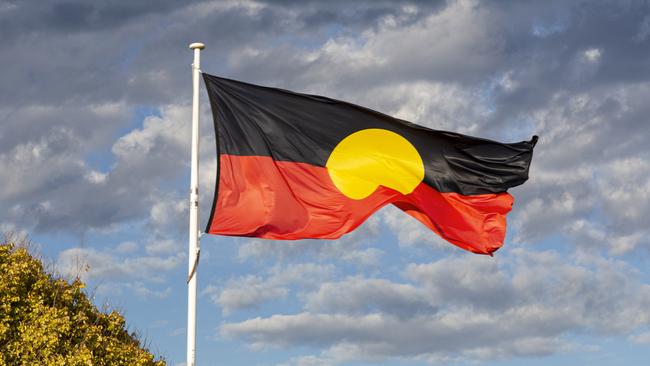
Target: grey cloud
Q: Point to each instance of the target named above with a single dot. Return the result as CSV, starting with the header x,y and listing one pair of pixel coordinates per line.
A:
x,y
358,14
68,16
574,72
114,51
504,44
245,293
427,49
89,263
564,70
48,185
72,62
377,337
411,232
308,361
360,296
29,123
643,338
547,65
150,71
555,84
469,307
251,292
167,215
589,163
489,38
468,280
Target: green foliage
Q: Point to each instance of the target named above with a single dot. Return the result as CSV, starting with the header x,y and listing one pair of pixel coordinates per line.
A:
x,y
48,321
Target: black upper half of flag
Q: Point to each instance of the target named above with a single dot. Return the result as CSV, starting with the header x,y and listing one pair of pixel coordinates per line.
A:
x,y
253,120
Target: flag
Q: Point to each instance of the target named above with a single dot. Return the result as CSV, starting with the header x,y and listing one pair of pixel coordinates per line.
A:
x,y
297,166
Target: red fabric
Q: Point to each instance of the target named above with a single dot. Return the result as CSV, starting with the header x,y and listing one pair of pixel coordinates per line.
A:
x,y
260,197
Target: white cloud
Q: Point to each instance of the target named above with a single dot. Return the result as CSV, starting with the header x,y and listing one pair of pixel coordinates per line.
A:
x,y
146,293
48,184
88,263
589,179
466,66
375,337
405,46
166,211
158,135
251,292
164,246
469,307
308,361
438,105
360,295
412,232
593,54
370,257
96,177
245,293
642,338
127,247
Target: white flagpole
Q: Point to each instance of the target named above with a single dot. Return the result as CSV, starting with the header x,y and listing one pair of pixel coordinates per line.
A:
x,y
194,247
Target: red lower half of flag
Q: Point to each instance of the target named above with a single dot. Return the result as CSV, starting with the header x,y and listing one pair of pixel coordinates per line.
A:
x,y
261,197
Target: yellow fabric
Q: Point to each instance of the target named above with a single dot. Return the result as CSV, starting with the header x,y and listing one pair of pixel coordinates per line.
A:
x,y
369,158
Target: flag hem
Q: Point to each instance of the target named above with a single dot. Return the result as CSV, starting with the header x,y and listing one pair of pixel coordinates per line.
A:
x,y
215,123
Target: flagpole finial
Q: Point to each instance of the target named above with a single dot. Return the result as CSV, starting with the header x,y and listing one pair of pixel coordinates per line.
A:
x,y
197,45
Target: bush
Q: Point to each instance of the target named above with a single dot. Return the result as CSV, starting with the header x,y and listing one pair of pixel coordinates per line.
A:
x,y
45,320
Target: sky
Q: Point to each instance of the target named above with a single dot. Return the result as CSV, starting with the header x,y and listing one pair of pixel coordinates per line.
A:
x,y
94,163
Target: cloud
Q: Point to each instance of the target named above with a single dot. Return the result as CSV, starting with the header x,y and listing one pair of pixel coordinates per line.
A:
x,y
359,295
308,361
251,292
66,194
403,46
127,247
245,293
113,271
375,337
470,307
411,232
144,292
88,263
94,138
583,124
643,338
434,84
588,170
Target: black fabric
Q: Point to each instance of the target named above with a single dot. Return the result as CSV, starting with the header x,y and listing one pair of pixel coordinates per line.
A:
x,y
288,126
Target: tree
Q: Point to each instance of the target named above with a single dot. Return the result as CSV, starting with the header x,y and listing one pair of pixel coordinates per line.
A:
x,y
47,320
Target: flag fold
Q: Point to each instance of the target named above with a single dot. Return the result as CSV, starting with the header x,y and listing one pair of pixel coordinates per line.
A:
x,y
297,166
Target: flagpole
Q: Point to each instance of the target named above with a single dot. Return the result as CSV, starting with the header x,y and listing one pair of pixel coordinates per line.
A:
x,y
194,248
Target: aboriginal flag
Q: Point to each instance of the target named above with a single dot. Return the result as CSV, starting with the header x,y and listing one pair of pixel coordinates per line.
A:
x,y
297,166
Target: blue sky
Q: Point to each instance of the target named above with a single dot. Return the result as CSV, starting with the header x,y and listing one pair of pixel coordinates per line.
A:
x,y
94,165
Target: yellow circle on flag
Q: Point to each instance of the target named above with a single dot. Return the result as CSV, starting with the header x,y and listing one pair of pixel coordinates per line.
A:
x,y
374,157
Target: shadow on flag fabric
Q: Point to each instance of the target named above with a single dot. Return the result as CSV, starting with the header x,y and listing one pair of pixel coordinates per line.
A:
x,y
297,166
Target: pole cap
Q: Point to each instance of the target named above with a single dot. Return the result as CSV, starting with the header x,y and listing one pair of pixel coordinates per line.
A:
x,y
197,45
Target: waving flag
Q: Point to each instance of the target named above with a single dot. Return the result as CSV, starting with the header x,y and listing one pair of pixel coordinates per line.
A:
x,y
295,166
